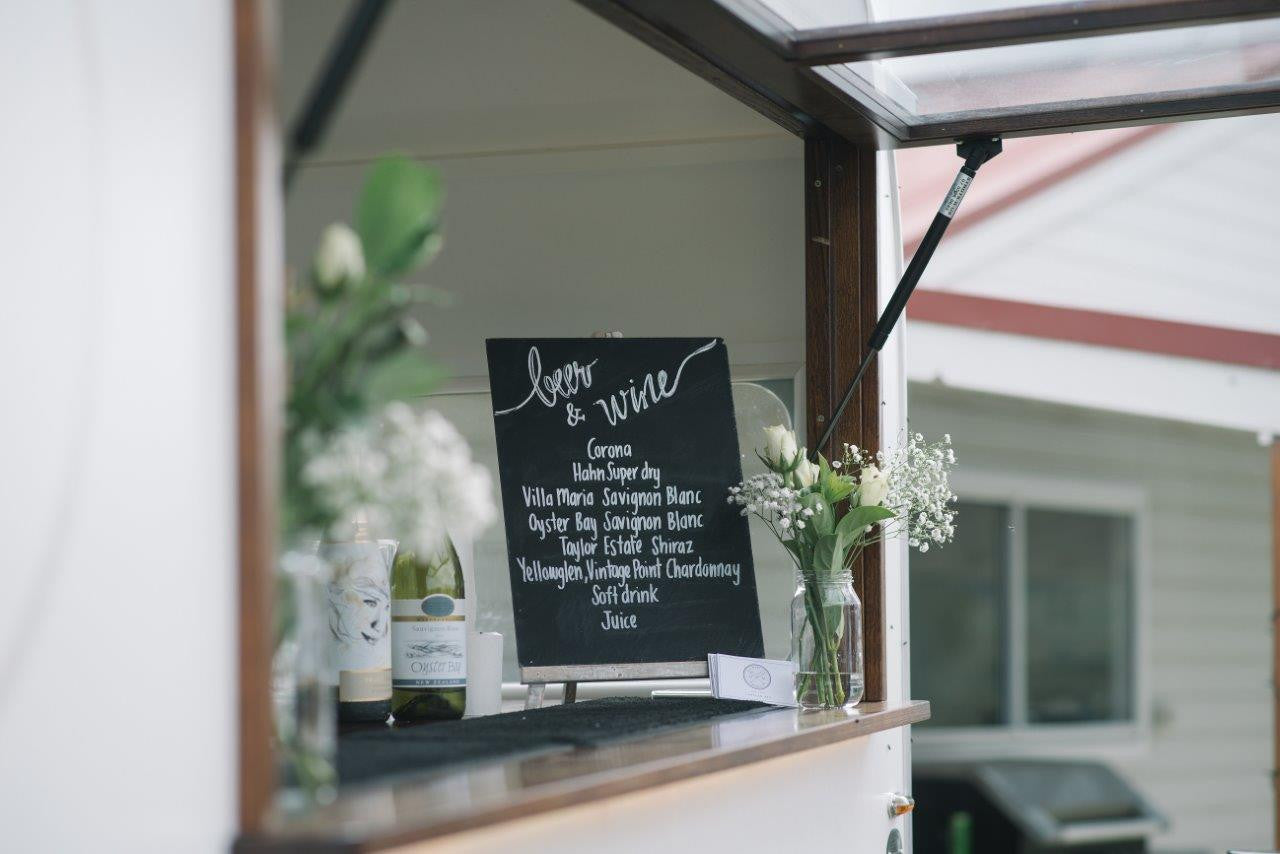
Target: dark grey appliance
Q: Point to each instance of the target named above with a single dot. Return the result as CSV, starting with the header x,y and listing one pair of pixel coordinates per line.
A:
x,y
1028,807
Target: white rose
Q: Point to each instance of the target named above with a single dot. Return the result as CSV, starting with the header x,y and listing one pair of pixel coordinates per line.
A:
x,y
874,487
807,473
779,444
340,259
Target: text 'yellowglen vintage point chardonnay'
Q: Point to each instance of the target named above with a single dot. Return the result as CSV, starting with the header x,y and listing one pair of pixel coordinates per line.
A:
x,y
428,637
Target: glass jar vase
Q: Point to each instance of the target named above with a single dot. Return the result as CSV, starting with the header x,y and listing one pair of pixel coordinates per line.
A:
x,y
304,696
826,640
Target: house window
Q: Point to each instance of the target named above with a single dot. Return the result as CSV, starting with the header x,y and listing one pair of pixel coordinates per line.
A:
x,y
1027,618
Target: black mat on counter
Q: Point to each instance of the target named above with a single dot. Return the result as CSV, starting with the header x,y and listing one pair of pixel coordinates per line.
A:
x,y
375,752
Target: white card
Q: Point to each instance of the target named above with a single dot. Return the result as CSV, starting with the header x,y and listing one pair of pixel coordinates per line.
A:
x,y
760,679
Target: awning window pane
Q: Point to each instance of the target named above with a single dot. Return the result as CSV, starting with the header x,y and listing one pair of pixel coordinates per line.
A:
x,y
800,15
1013,78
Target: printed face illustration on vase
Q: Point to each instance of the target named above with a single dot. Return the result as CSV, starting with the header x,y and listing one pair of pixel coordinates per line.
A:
x,y
360,601
360,625
359,610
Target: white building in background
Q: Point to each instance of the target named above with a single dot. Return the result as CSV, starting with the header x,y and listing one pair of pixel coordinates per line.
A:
x,y
1100,333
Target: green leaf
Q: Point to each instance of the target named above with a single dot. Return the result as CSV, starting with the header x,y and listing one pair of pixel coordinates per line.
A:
x,y
833,486
828,556
824,553
860,517
398,214
403,375
823,521
837,488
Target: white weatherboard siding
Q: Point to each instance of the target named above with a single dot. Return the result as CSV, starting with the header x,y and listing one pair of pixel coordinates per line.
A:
x,y
1206,759
1130,381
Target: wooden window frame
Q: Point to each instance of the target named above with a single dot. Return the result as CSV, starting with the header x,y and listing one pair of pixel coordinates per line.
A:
x,y
841,308
840,274
259,289
755,67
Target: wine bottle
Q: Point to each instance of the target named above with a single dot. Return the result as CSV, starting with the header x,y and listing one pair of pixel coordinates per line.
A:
x,y
428,637
359,624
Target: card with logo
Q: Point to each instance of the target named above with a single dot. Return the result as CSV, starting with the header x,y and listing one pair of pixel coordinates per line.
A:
x,y
760,679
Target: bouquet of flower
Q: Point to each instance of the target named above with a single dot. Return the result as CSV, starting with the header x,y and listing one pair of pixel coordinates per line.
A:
x,y
825,513
353,338
353,448
407,473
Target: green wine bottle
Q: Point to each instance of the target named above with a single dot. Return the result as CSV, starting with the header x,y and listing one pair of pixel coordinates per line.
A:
x,y
428,637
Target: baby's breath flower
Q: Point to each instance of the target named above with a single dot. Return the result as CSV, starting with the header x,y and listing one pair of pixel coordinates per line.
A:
x,y
911,481
410,474
767,496
919,492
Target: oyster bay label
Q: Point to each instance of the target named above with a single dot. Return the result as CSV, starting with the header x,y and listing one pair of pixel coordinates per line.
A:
x,y
429,642
615,457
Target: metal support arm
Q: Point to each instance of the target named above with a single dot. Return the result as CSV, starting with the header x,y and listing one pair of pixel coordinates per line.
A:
x,y
975,153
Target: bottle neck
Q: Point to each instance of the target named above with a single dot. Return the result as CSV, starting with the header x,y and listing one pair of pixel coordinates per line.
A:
x,y
360,529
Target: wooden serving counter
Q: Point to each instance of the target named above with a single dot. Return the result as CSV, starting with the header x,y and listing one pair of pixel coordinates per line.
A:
x,y
457,799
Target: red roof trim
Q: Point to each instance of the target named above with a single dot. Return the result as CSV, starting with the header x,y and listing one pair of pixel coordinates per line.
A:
x,y
1123,331
979,212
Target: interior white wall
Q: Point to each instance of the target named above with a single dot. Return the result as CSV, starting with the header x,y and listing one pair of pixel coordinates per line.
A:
x,y
693,238
490,77
635,198
117,460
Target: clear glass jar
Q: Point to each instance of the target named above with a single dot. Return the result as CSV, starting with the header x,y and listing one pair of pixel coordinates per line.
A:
x,y
303,692
826,640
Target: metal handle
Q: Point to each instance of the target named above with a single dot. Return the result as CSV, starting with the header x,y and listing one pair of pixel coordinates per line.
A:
x,y
1107,830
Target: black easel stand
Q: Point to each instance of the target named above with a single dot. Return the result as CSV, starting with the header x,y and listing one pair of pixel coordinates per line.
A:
x,y
975,152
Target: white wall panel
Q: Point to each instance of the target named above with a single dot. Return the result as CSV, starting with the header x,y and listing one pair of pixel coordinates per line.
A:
x,y
116,364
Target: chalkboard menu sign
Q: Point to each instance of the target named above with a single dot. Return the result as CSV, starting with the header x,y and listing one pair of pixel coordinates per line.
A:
x,y
615,456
